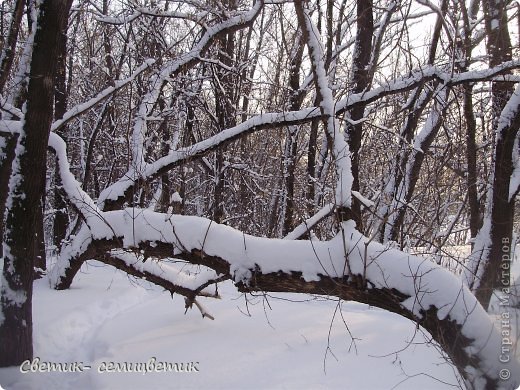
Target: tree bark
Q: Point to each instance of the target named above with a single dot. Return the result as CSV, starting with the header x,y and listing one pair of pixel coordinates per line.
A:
x,y
5,173
361,81
61,217
497,260
471,159
475,215
226,115
26,189
291,143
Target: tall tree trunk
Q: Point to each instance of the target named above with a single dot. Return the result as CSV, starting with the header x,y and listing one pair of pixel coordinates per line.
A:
x,y
495,262
225,112
310,193
291,146
360,81
61,218
25,184
471,160
469,16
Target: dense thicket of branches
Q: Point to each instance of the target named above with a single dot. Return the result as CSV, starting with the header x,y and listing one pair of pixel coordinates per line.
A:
x,y
276,118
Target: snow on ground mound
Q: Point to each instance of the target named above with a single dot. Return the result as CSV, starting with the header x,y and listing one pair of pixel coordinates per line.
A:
x,y
256,344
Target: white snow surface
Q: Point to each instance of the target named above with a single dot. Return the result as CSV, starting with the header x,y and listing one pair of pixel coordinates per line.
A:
x,y
108,317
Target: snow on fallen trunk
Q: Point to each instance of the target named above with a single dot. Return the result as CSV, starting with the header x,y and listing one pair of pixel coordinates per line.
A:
x,y
427,285
174,275
431,286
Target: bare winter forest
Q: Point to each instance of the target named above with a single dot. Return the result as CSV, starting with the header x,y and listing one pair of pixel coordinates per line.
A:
x,y
307,146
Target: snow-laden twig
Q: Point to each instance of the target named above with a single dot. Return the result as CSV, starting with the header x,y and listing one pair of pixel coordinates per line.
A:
x,y
339,146
107,92
116,191
14,112
309,223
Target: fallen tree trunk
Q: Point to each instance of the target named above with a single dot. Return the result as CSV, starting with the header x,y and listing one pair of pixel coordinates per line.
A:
x,y
349,266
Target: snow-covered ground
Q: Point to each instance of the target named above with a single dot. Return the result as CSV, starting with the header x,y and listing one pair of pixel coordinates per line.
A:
x,y
286,341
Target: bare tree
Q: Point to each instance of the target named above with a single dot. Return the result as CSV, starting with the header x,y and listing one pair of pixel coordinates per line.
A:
x,y
25,190
491,257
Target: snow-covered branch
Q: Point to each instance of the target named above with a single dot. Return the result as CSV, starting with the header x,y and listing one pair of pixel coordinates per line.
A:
x,y
411,286
339,146
107,92
14,112
79,199
420,76
114,195
173,275
309,223
403,183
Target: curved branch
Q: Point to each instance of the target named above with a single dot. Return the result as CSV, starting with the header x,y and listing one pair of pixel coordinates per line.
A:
x,y
136,263
411,286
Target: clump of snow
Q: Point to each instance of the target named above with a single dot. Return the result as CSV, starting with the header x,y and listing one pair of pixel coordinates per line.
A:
x,y
366,202
175,198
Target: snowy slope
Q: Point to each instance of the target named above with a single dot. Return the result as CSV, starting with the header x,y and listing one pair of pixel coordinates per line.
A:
x,y
281,344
